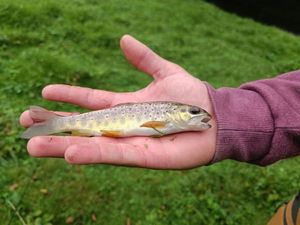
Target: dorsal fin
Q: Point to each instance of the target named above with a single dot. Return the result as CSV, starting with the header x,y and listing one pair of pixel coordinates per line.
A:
x,y
123,104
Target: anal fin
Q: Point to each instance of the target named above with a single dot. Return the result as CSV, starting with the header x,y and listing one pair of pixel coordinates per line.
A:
x,y
111,133
80,133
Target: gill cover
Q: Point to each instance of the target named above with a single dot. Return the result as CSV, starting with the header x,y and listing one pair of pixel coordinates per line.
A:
x,y
192,118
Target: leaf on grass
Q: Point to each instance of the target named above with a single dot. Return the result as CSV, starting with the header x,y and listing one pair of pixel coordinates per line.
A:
x,y
70,220
128,221
94,218
44,191
13,186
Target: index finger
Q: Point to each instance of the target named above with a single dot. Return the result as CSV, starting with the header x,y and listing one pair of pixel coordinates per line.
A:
x,y
85,97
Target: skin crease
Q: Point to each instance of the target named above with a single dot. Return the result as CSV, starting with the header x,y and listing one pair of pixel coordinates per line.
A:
x,y
171,83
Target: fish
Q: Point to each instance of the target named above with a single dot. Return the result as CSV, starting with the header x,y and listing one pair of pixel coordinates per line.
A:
x,y
153,119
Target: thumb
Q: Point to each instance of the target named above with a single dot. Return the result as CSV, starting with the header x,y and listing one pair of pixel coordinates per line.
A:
x,y
143,58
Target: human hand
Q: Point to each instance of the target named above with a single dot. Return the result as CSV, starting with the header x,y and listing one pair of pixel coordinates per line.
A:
x,y
171,83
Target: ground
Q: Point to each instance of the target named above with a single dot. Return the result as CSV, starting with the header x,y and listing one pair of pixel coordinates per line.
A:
x,y
76,42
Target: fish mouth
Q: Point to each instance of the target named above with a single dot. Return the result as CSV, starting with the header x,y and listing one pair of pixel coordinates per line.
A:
x,y
206,119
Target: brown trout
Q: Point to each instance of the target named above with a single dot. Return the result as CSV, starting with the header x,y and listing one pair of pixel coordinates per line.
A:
x,y
130,119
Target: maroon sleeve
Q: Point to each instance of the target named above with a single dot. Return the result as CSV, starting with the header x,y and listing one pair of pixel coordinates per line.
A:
x,y
260,121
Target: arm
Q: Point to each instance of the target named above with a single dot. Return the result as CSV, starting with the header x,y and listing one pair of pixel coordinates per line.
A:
x,y
260,121
244,131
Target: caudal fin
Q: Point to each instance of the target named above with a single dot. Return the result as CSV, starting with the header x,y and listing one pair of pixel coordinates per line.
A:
x,y
46,123
38,130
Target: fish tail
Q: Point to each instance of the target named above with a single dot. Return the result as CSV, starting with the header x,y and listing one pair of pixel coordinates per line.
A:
x,y
38,130
46,123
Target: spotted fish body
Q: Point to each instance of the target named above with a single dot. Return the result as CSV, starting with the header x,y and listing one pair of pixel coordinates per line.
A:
x,y
129,119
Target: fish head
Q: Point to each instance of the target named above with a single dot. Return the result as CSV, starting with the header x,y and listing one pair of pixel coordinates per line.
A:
x,y
192,118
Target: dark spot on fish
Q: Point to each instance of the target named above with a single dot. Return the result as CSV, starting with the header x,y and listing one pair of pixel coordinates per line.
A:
x,y
146,146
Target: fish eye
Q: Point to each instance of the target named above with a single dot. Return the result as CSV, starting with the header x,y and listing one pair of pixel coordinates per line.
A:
x,y
194,110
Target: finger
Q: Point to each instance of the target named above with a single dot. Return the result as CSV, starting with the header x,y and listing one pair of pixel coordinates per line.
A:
x,y
116,152
85,97
107,153
143,58
26,120
53,146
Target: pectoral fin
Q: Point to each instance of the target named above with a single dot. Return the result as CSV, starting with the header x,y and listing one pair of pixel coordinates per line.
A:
x,y
111,133
156,125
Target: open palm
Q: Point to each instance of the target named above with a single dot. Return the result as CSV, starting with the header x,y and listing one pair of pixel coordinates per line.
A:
x,y
171,83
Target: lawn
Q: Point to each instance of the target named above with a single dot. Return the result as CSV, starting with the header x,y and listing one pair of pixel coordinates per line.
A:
x,y
77,42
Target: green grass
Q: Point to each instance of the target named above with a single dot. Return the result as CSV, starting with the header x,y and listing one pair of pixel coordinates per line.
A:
x,y
76,42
